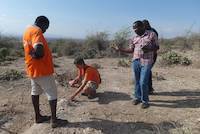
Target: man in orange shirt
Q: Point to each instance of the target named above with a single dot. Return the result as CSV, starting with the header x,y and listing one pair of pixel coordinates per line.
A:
x,y
39,67
89,78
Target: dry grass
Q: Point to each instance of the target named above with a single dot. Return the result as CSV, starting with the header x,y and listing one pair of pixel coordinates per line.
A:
x,y
64,78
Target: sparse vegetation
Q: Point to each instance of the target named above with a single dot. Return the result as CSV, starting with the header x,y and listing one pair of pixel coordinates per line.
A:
x,y
171,58
4,52
124,63
158,77
96,65
185,61
10,75
65,77
89,53
65,47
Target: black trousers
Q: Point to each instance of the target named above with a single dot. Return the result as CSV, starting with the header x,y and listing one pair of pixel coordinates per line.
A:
x,y
150,76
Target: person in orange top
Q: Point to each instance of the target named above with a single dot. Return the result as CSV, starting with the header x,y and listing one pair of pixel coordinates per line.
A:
x,y
39,67
89,78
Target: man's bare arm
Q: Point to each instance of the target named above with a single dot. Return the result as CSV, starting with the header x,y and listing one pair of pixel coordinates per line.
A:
x,y
79,90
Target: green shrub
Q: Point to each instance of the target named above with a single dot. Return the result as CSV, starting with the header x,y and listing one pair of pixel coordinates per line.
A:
x,y
95,45
185,61
4,52
121,39
90,53
98,41
171,58
87,54
65,47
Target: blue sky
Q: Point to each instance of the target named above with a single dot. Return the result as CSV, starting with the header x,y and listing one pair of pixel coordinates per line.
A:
x,y
78,18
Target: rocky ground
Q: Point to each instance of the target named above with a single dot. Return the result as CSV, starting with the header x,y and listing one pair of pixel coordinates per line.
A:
x,y
174,109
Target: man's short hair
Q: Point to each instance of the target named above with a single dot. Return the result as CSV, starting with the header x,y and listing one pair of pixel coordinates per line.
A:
x,y
42,20
79,61
138,23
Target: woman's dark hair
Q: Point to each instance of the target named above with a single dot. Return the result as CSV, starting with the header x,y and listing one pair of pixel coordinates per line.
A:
x,y
79,61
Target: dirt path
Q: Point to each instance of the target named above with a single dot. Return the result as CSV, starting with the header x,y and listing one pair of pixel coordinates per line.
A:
x,y
174,108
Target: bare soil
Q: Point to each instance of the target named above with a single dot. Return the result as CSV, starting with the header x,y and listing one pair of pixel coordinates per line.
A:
x,y
174,109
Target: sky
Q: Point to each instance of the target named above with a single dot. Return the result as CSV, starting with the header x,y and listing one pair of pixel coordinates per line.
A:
x,y
79,18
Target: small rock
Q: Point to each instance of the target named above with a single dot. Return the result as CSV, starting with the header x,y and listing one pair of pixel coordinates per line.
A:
x,y
5,105
11,88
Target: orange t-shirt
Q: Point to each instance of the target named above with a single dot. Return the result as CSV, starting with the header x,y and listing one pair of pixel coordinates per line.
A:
x,y
37,67
92,74
89,74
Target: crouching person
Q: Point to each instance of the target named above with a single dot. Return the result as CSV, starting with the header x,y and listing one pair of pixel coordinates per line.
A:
x,y
87,81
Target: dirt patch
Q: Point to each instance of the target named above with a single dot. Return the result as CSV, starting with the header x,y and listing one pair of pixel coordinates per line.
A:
x,y
175,107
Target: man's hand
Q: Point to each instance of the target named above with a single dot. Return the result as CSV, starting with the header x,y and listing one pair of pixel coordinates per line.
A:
x,y
72,98
73,83
37,52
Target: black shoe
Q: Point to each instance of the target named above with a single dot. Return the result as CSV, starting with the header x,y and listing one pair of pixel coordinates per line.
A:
x,y
84,94
91,97
151,92
42,119
145,105
54,123
58,123
135,102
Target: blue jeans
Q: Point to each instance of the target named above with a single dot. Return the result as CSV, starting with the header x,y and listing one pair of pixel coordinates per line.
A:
x,y
141,73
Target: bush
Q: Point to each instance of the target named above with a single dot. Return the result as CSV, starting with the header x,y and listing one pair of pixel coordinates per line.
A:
x,y
87,54
121,39
4,52
65,47
185,61
95,65
95,45
90,53
98,41
10,75
65,77
171,58
18,51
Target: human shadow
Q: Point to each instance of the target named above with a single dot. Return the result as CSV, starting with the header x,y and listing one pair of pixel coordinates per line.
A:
x,y
191,99
114,127
109,96
182,92
62,123
4,120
